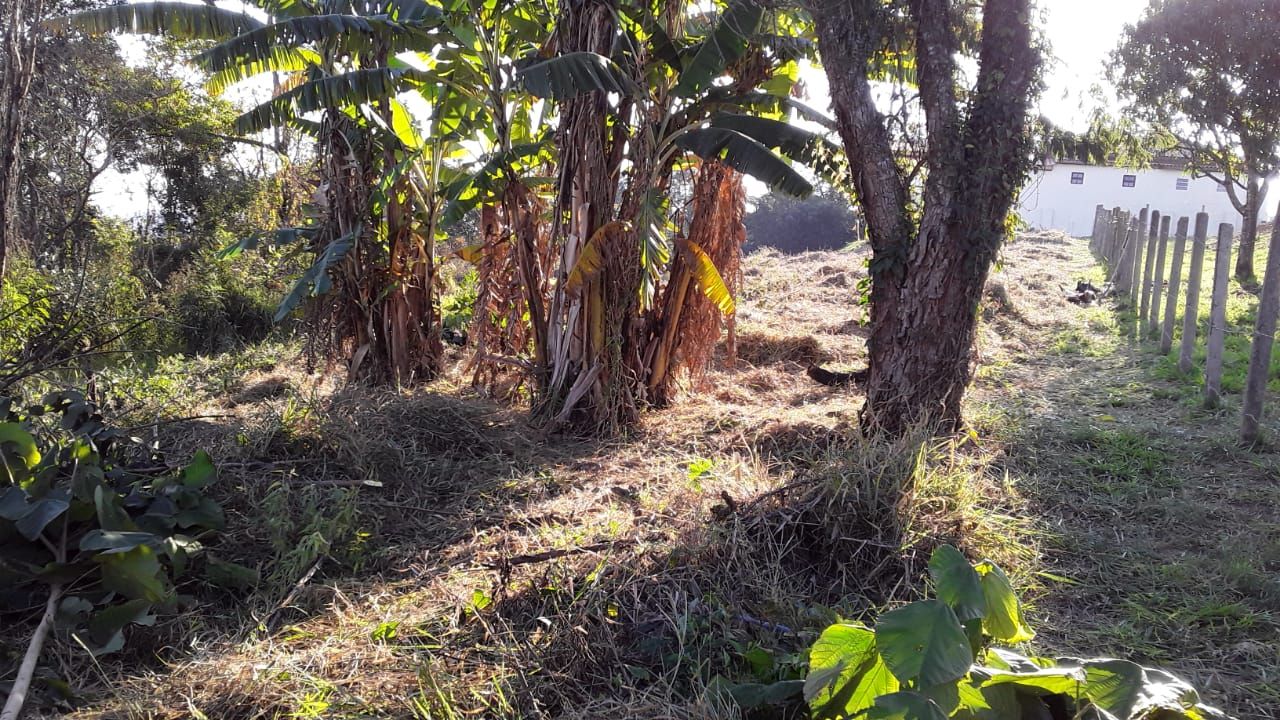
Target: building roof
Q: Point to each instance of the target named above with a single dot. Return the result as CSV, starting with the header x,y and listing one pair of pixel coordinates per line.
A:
x,y
1172,160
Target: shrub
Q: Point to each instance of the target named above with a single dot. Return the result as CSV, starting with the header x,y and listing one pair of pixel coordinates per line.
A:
x,y
938,659
458,303
26,301
215,307
93,523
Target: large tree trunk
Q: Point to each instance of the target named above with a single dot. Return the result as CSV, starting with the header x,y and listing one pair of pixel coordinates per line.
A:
x,y
927,277
1255,193
20,40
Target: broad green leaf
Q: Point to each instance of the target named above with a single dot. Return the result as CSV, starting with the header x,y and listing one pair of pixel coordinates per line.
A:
x,y
111,514
39,514
114,540
277,59
23,444
726,43
315,281
205,514
230,575
924,643
946,696
1051,681
791,141
350,89
403,126
1114,685
846,673
134,574
72,610
751,696
1004,620
746,155
1005,659
905,705
177,19
110,620
178,548
350,33
13,503
957,584
200,471
567,76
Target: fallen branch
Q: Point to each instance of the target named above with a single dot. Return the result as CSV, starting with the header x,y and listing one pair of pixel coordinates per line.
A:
x,y
22,683
555,554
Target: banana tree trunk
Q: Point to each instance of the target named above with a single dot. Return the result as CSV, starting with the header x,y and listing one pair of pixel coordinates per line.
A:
x,y
587,384
687,327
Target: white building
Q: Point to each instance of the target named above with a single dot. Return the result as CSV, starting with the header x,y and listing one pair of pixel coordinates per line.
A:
x,y
1062,195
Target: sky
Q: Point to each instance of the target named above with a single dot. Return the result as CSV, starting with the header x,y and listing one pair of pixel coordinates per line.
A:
x,y
1081,34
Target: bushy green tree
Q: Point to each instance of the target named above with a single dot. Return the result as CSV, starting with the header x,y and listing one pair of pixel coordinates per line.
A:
x,y
1206,72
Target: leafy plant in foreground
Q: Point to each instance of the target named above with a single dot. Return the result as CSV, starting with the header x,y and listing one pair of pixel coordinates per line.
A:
x,y
937,659
92,525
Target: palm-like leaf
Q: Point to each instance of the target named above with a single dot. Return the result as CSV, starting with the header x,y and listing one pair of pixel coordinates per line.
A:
x,y
315,280
658,42
726,43
283,59
746,155
567,76
356,33
176,19
653,227
468,191
354,88
728,101
796,143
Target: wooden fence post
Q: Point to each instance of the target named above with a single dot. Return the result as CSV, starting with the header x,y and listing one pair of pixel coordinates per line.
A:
x,y
1135,284
1157,280
1191,316
1255,387
1096,238
1218,318
1175,279
1124,270
1148,268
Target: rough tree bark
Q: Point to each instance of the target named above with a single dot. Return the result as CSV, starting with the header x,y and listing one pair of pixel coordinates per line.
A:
x,y
20,41
928,277
1255,193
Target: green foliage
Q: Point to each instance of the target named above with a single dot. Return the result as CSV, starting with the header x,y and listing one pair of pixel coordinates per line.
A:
x,y
458,305
95,517
937,659
26,301
1207,73
213,306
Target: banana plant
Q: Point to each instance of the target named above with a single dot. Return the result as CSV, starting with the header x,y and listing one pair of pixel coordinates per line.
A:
x,y
504,180
374,238
683,88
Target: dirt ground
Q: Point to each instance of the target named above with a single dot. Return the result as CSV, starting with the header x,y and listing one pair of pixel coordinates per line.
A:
x,y
427,554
